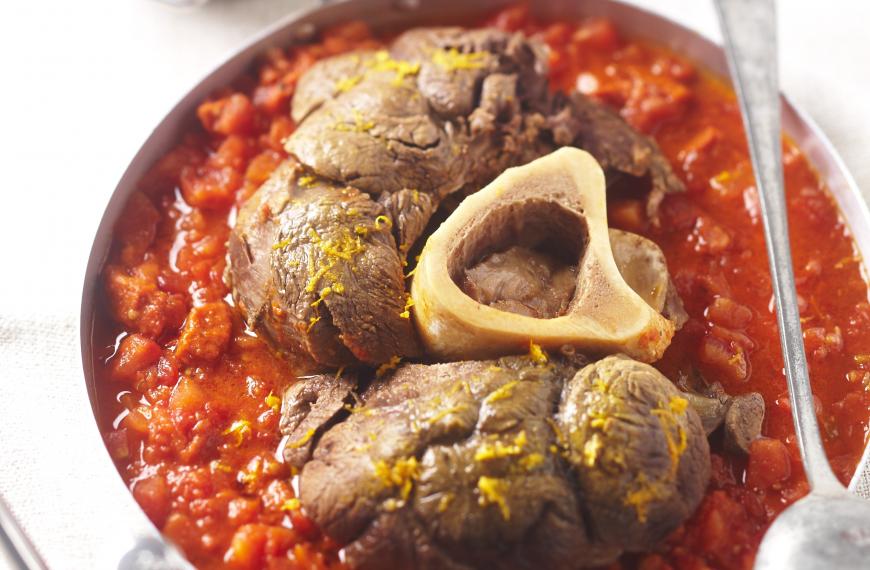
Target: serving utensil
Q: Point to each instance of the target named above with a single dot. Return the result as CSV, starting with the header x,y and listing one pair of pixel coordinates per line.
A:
x,y
830,527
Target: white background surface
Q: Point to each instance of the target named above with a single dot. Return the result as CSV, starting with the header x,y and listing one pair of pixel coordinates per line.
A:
x,y
81,85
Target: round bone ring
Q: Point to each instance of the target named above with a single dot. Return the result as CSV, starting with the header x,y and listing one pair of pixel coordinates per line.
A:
x,y
558,200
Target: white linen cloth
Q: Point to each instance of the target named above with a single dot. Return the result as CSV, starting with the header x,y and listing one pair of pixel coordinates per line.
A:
x,y
82,85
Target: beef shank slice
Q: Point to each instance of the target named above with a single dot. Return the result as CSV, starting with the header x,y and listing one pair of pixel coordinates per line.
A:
x,y
451,460
443,111
639,451
504,464
315,266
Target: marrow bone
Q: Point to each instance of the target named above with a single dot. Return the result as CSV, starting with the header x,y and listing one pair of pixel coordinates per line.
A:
x,y
555,204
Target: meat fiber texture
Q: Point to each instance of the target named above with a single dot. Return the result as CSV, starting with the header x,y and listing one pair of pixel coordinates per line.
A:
x,y
521,462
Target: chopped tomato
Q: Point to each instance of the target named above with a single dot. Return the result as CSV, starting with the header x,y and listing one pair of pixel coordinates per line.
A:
x,y
135,353
206,333
769,463
228,116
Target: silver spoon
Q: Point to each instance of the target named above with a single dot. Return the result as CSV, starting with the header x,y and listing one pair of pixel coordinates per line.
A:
x,y
829,528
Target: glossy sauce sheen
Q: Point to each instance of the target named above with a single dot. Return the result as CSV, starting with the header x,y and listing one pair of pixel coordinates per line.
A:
x,y
190,400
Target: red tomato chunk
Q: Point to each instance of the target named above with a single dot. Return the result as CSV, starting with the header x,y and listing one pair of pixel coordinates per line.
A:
x,y
206,333
135,353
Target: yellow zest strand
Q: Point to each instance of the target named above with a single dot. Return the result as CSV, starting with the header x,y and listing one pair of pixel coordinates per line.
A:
x,y
383,221
453,59
387,366
537,354
291,505
492,492
406,314
302,440
383,62
240,429
401,474
347,83
273,402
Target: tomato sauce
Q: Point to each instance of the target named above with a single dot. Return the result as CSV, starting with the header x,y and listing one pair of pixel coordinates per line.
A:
x,y
190,399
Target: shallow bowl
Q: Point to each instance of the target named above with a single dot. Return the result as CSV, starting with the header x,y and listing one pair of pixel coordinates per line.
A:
x,y
145,545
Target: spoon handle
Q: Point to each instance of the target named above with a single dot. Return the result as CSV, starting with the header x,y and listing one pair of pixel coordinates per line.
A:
x,y
749,30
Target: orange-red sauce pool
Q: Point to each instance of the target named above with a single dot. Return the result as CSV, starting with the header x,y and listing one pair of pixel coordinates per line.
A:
x,y
197,443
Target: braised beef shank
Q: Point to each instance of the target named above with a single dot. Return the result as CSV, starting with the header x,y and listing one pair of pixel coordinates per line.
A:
x,y
388,135
443,111
316,266
518,462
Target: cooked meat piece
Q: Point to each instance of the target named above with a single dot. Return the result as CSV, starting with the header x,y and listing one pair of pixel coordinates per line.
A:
x,y
326,79
622,150
743,421
464,465
538,284
410,210
398,541
311,405
742,416
315,266
455,63
711,409
638,449
462,452
523,281
378,135
444,110
643,266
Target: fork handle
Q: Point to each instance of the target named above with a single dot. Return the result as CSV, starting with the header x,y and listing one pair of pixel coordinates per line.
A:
x,y
15,547
749,30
